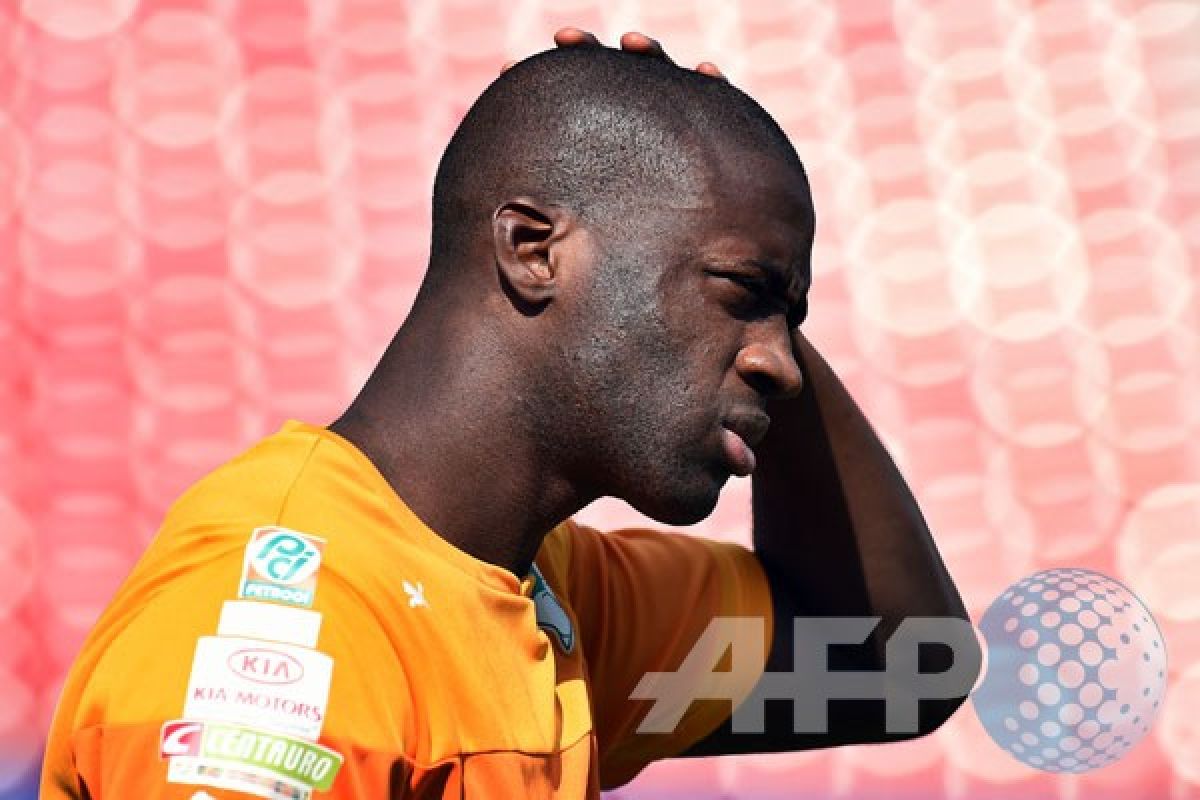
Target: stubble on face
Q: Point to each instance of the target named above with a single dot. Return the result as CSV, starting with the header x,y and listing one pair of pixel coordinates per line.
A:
x,y
644,382
651,356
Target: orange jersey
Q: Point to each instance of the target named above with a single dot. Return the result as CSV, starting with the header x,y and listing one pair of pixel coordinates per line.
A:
x,y
294,631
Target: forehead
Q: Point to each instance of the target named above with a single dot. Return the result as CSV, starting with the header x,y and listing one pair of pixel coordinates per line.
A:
x,y
755,206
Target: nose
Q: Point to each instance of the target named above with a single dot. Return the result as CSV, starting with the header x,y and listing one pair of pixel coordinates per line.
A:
x,y
771,368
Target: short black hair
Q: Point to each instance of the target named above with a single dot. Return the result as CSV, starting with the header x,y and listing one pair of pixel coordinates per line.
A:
x,y
593,129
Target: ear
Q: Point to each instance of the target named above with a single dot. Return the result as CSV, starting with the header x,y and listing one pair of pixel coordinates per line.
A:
x,y
525,235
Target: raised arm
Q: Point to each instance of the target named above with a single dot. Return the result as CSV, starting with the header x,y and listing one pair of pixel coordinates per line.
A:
x,y
839,534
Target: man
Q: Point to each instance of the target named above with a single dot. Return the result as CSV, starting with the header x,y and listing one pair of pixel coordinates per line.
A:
x,y
401,606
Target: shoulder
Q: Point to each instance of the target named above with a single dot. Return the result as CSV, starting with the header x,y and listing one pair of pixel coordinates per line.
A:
x,y
188,650
264,627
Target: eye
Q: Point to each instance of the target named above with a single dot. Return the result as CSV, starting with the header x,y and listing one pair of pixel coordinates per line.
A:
x,y
756,295
749,285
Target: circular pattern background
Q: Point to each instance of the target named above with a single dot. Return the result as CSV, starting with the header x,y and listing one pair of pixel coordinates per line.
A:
x,y
213,216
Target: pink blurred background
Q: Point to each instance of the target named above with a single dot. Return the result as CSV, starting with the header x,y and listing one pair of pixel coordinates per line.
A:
x,y
213,215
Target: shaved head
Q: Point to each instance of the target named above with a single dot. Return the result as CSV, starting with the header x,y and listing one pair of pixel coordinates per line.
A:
x,y
598,131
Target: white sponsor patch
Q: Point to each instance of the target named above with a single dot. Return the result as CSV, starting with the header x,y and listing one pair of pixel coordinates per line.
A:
x,y
277,623
270,685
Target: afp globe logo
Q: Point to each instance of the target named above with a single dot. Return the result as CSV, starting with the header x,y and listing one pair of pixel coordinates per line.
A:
x,y
1076,670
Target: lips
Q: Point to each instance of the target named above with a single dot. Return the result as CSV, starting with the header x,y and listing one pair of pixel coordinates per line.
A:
x,y
740,432
737,453
750,426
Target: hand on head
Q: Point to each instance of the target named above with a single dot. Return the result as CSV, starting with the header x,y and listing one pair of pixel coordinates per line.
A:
x,y
631,41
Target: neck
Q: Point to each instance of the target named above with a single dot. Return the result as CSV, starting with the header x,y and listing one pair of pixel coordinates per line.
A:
x,y
455,438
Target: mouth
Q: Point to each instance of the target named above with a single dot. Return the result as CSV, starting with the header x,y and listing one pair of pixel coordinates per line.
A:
x,y
739,433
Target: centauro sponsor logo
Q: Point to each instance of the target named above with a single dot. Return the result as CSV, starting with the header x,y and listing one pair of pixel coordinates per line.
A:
x,y
281,564
180,738
304,763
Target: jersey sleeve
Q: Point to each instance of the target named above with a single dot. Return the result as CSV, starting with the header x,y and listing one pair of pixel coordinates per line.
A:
x,y
234,699
643,598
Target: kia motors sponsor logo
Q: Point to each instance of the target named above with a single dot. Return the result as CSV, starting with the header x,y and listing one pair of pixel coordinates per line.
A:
x,y
264,665
256,682
257,701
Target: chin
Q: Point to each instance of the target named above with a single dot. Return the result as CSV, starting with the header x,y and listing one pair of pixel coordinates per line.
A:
x,y
686,505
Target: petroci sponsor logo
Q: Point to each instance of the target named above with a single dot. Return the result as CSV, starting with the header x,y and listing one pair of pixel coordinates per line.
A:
x,y
276,686
281,565
265,665
286,556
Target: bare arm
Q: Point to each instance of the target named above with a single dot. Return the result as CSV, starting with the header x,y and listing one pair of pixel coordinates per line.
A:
x,y
839,534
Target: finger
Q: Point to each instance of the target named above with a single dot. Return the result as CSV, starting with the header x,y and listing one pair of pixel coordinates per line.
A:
x,y
710,69
574,37
636,42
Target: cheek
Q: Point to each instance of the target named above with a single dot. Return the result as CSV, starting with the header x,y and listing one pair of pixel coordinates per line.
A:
x,y
707,353
694,352
708,332
662,356
688,388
